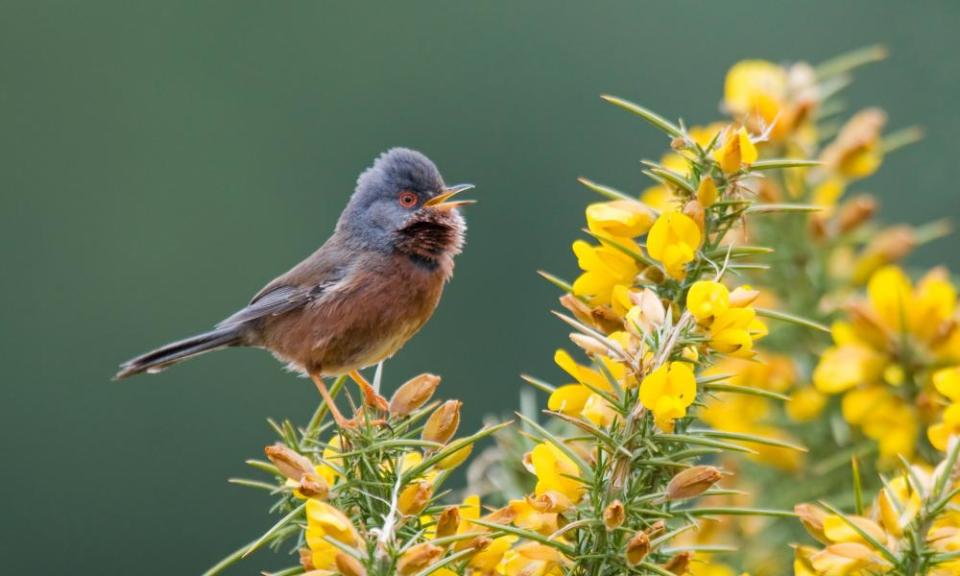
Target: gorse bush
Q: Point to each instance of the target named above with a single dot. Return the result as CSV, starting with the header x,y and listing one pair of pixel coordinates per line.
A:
x,y
750,367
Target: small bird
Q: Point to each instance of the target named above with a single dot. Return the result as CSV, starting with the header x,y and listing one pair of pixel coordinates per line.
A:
x,y
362,295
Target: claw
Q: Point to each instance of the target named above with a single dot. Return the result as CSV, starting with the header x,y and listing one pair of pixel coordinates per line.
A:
x,y
335,413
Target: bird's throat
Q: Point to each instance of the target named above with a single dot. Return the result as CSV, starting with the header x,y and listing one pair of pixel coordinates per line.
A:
x,y
427,240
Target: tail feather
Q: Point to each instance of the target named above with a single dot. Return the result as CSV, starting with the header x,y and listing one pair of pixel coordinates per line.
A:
x,y
176,352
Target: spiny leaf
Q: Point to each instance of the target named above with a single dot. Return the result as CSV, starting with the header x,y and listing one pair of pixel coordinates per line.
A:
x,y
556,281
798,320
742,437
274,529
700,441
538,384
778,163
611,193
526,534
747,390
782,208
660,122
736,511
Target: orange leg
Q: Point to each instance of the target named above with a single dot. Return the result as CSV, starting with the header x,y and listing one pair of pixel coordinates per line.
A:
x,y
331,405
370,396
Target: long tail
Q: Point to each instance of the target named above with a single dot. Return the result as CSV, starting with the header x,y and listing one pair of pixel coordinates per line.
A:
x,y
176,352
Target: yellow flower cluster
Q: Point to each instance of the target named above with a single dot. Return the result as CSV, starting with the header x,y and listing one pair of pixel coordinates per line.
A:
x,y
913,527
884,355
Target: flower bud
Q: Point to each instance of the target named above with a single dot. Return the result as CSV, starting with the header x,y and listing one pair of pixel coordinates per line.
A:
x,y
614,515
455,459
743,296
812,518
692,482
855,212
588,344
707,192
679,564
443,423
413,394
297,468
647,314
637,548
290,463
448,522
414,498
417,558
694,210
349,566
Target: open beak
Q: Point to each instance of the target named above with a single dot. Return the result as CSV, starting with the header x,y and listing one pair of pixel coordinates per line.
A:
x,y
444,201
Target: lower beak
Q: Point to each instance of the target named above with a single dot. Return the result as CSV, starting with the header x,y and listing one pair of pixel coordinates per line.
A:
x,y
444,200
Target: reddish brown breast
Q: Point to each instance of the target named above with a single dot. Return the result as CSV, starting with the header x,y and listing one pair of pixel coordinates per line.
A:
x,y
362,319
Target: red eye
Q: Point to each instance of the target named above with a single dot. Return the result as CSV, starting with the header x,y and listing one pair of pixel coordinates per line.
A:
x,y
408,199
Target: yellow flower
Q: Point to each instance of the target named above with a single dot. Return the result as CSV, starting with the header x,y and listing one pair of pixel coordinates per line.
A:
x,y
706,299
673,241
532,559
736,151
755,88
325,520
668,391
734,330
572,398
555,472
856,151
604,268
619,218
805,404
940,433
898,504
486,561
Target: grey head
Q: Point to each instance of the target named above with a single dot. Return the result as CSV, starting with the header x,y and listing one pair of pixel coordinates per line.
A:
x,y
402,204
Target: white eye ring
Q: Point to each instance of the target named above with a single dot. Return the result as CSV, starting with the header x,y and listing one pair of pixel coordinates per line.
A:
x,y
408,199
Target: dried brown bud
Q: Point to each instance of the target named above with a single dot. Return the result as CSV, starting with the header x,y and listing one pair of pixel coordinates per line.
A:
x,y
692,482
887,246
443,423
290,463
549,501
679,143
413,394
578,308
349,566
812,518
656,529
417,558
306,559
448,522
679,564
855,212
637,548
614,515
860,133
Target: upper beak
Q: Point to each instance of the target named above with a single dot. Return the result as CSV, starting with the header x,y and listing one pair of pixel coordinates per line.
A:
x,y
444,200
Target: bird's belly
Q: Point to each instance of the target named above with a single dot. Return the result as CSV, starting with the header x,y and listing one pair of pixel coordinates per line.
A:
x,y
335,335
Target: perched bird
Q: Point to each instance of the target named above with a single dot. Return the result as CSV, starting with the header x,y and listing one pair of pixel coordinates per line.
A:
x,y
358,299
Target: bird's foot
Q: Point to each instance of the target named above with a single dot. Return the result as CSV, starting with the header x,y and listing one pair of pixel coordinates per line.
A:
x,y
335,413
370,396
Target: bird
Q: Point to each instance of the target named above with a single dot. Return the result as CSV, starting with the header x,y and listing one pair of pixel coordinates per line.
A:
x,y
362,295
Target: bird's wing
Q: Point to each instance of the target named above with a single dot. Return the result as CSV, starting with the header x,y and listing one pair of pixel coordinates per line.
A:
x,y
272,302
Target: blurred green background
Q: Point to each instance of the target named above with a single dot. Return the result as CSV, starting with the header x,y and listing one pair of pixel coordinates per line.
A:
x,y
161,161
